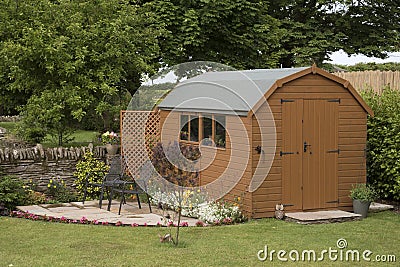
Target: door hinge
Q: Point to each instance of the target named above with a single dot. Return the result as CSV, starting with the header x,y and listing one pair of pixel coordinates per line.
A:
x,y
334,100
286,100
333,201
285,153
333,151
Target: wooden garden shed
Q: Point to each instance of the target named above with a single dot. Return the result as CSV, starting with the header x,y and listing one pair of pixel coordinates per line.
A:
x,y
293,136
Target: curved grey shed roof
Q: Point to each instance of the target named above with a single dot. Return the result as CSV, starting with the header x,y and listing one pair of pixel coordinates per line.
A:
x,y
225,92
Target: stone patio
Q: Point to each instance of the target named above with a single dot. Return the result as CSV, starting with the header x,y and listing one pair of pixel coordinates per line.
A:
x,y
331,215
130,213
321,217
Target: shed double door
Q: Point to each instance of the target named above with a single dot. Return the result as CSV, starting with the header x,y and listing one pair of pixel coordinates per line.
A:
x,y
309,153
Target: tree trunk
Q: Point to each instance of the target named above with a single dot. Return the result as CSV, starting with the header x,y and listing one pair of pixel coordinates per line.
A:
x,y
178,226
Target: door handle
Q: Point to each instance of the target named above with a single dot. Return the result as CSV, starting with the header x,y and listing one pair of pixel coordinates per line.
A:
x,y
305,145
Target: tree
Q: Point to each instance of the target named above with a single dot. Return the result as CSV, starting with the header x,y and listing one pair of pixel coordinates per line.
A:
x,y
176,163
390,66
53,112
75,57
316,28
260,34
237,33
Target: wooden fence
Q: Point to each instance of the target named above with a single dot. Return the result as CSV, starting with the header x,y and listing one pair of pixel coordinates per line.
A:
x,y
376,80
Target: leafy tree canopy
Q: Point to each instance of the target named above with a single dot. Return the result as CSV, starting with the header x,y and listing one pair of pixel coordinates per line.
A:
x,y
390,66
237,33
85,54
316,28
88,56
260,34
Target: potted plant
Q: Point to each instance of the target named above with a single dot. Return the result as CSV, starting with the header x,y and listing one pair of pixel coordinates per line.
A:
x,y
362,196
110,139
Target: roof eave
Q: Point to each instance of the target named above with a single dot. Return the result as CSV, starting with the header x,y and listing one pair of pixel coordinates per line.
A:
x,y
314,70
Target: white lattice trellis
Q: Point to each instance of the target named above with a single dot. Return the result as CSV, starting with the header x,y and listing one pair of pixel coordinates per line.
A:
x,y
140,131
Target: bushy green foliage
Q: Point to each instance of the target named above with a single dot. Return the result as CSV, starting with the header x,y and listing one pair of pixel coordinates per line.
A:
x,y
363,192
96,170
390,66
383,158
59,192
62,60
35,198
12,192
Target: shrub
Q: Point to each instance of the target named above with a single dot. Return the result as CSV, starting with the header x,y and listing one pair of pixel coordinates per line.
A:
x,y
363,192
383,158
32,133
179,172
12,192
96,170
59,192
35,198
32,196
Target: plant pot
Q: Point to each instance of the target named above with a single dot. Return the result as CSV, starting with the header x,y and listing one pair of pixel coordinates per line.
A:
x,y
361,207
112,149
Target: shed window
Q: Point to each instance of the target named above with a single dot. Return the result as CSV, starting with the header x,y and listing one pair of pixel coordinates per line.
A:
x,y
207,131
220,132
209,128
189,128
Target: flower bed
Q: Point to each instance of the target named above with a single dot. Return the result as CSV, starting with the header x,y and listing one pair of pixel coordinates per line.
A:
x,y
194,205
83,220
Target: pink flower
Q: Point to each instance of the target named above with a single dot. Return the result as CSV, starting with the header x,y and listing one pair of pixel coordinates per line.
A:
x,y
227,221
159,224
95,222
134,225
184,224
83,220
145,224
104,223
199,224
119,223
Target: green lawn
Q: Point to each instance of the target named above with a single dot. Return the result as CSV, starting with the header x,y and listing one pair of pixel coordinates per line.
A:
x,y
29,243
9,126
81,138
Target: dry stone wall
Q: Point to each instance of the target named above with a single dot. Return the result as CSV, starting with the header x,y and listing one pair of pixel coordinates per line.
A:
x,y
9,118
40,165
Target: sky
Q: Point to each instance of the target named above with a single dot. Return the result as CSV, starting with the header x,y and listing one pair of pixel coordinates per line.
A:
x,y
341,58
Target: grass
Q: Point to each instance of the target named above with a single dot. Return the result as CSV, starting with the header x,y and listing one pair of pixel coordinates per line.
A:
x,y
9,126
33,243
81,138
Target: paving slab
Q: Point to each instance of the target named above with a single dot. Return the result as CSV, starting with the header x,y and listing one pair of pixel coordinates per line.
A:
x,y
321,216
377,207
130,213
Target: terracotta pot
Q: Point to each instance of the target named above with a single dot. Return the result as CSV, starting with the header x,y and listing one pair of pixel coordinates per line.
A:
x,y
112,149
